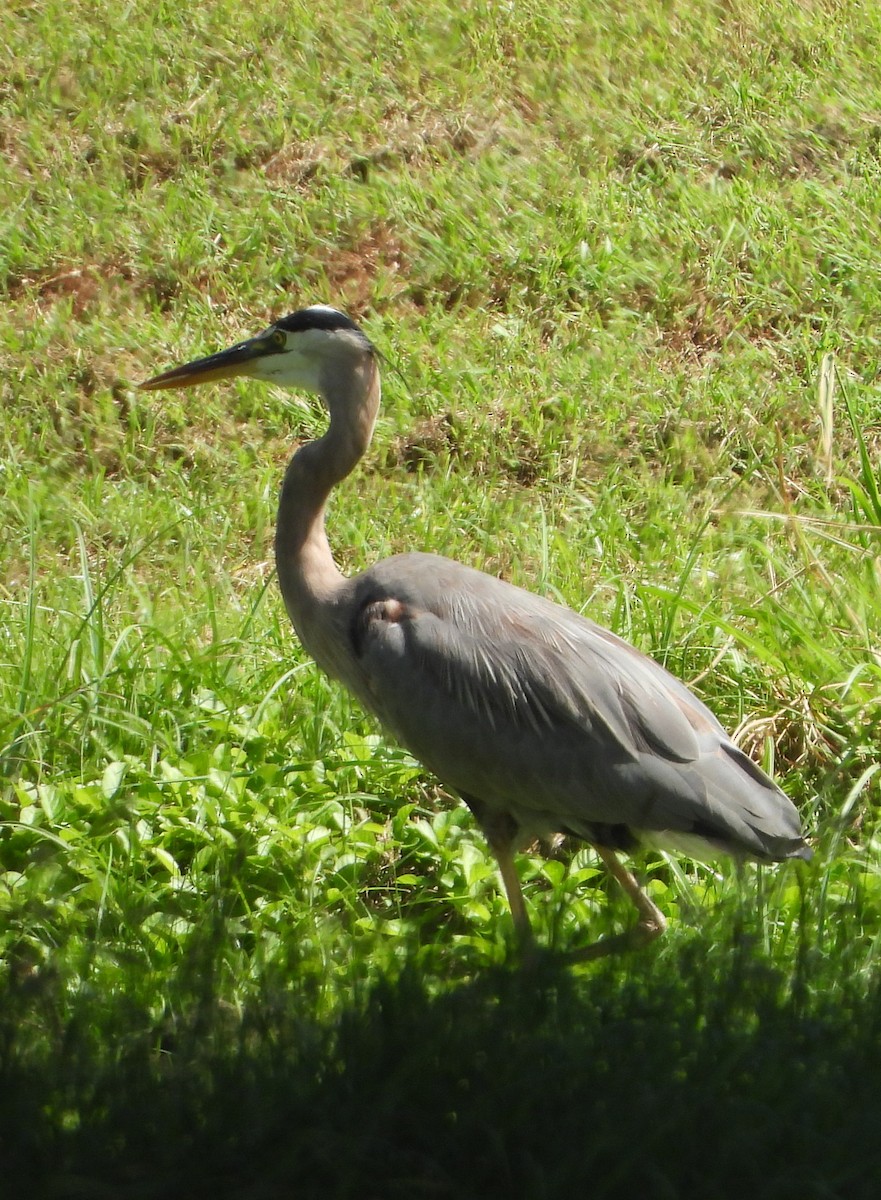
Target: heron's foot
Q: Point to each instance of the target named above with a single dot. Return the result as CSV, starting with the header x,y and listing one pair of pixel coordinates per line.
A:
x,y
645,931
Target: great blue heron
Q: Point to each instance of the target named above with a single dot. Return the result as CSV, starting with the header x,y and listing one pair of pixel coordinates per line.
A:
x,y
542,721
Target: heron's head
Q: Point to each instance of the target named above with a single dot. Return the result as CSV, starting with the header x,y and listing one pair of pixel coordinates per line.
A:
x,y
304,350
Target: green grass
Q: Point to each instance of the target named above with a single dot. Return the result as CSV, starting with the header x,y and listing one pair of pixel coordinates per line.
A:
x,y
623,258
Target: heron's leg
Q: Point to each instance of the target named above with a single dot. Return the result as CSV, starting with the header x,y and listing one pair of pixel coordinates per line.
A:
x,y
508,871
651,923
500,831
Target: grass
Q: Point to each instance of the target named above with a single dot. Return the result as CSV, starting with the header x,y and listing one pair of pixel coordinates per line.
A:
x,y
623,260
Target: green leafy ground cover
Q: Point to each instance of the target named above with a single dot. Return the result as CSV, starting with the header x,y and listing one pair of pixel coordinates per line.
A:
x,y
624,257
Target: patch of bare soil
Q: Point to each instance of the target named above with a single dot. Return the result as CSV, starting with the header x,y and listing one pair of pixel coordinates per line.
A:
x,y
430,439
353,269
81,285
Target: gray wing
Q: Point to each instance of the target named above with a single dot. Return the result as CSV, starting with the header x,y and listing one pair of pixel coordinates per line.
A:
x,y
531,708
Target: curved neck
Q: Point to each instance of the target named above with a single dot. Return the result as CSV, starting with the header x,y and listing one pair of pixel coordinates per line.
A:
x,y
307,573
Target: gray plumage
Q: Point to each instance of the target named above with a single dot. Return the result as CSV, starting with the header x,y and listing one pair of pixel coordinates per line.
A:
x,y
530,707
543,721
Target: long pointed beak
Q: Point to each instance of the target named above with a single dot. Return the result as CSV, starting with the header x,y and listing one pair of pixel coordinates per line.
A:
x,y
226,364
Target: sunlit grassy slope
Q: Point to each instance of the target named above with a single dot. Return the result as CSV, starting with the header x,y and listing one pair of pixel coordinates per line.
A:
x,y
624,260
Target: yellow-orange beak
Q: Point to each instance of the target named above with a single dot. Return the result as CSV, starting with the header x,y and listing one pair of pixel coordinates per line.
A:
x,y
238,360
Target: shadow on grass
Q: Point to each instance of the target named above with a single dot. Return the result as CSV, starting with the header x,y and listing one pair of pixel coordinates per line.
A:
x,y
700,1073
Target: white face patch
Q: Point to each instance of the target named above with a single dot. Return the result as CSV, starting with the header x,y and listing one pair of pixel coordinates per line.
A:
x,y
298,366
313,341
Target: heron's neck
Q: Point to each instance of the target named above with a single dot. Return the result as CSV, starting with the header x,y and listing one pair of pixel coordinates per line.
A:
x,y
308,576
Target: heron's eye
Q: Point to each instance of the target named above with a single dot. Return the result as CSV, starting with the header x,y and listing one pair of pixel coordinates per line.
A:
x,y
278,340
